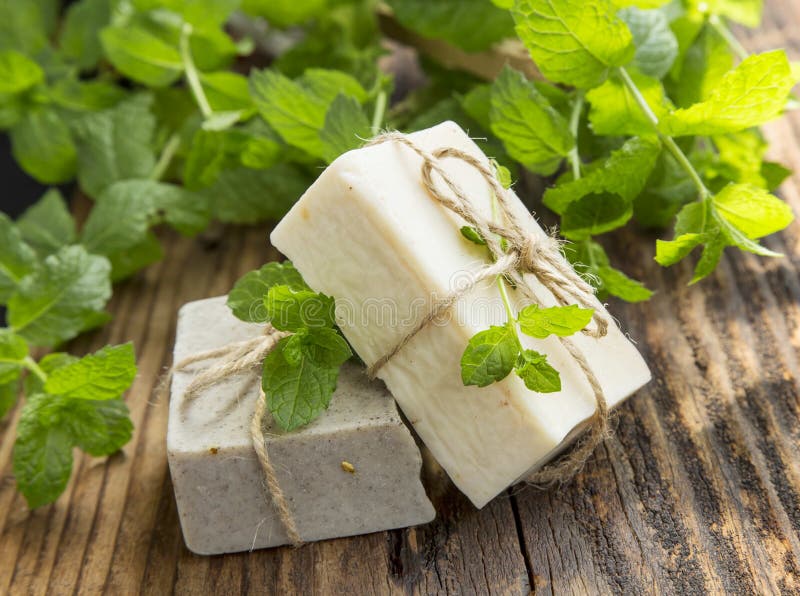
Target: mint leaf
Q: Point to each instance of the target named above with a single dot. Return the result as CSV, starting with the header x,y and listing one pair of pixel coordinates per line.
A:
x,y
79,41
227,92
588,257
472,25
490,356
99,427
298,392
705,62
17,259
532,131
127,262
50,362
753,93
141,55
48,225
562,321
291,310
42,452
206,14
85,96
614,110
746,12
243,195
538,375
346,127
115,144
18,72
104,375
246,299
473,235
656,45
61,298
42,145
8,396
603,199
283,13
22,27
575,42
669,252
752,210
326,347
13,351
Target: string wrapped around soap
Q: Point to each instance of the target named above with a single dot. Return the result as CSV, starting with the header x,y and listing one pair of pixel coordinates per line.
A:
x,y
523,253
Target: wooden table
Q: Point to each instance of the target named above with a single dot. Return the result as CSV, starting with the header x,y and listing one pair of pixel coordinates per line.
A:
x,y
698,492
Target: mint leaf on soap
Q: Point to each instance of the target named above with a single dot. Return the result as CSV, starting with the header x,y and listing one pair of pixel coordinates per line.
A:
x,y
246,299
63,297
291,310
537,374
532,131
575,42
490,356
104,375
557,320
298,392
473,235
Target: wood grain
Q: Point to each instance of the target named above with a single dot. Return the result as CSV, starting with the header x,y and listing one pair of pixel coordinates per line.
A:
x,y
698,492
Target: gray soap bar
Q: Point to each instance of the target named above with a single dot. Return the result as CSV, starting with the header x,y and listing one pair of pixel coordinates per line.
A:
x,y
219,485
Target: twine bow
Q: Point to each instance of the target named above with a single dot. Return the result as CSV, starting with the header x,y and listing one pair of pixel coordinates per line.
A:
x,y
524,253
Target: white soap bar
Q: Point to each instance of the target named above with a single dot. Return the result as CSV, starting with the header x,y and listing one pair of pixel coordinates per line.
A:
x,y
219,484
369,234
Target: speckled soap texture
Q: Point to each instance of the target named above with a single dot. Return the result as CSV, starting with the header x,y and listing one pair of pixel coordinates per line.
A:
x,y
219,487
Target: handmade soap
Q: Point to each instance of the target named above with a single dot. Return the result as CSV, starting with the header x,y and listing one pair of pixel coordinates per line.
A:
x,y
369,234
354,470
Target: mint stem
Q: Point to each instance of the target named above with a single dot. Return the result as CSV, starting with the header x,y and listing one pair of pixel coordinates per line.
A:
x,y
378,114
192,76
32,366
574,120
668,141
720,27
170,148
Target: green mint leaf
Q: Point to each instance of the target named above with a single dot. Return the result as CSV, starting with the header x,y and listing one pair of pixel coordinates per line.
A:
x,y
774,174
127,262
533,368
239,195
291,310
104,375
753,93
614,111
656,45
296,392
297,109
206,14
48,225
667,190
346,127
142,56
704,63
575,42
115,144
63,297
18,73
22,27
739,158
562,321
283,13
228,92
17,259
9,392
219,121
99,427
603,199
533,132
746,12
490,356
669,252
326,346
79,41
13,351
33,384
473,235
42,145
472,25
246,299
734,195
590,258
42,452
85,96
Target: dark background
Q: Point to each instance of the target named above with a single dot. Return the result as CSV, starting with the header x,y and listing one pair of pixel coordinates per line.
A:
x,y
19,190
